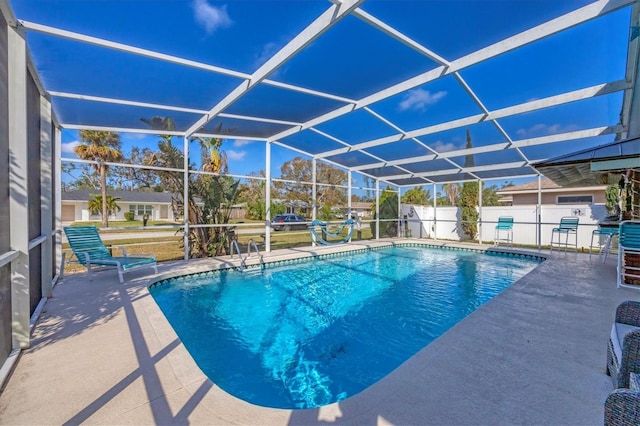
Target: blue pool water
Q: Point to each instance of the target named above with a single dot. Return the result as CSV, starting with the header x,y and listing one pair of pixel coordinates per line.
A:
x,y
304,335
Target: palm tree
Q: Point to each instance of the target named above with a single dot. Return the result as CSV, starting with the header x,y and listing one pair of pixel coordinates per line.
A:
x,y
216,160
100,146
452,190
216,193
95,204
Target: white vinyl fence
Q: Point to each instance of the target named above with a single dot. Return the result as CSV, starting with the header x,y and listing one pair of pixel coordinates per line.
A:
x,y
443,223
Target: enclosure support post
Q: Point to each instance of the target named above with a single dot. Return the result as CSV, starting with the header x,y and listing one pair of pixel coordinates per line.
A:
x,y
267,198
377,209
185,197
46,249
349,177
314,189
314,193
539,213
349,192
400,217
480,211
18,188
435,212
57,176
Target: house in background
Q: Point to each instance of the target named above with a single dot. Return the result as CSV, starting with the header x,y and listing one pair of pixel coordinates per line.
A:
x,y
361,209
552,193
156,204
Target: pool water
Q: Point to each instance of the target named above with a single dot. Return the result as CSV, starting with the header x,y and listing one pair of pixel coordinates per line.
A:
x,y
304,335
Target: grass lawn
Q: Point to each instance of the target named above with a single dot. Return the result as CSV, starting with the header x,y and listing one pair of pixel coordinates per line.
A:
x,y
152,225
170,248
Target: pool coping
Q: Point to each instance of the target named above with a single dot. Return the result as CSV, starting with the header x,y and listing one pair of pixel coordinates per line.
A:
x,y
327,251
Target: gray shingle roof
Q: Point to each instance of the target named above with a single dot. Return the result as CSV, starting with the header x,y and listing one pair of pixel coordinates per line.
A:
x,y
545,183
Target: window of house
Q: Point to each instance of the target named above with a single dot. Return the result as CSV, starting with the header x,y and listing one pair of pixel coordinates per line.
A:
x,y
141,209
575,199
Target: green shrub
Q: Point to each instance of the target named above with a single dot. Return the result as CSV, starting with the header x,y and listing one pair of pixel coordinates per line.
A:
x,y
129,216
325,213
388,210
468,203
611,198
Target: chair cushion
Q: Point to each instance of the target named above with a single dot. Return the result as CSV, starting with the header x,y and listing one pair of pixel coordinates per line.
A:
x,y
618,331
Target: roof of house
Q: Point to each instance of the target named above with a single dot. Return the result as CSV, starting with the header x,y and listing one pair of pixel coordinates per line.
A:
x,y
593,165
546,185
360,205
126,196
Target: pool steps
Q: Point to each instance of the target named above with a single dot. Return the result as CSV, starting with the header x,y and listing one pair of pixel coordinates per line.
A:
x,y
243,260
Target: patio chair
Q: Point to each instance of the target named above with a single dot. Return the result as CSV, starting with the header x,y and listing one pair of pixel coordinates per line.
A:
x,y
504,226
568,226
623,349
629,254
622,408
89,249
598,234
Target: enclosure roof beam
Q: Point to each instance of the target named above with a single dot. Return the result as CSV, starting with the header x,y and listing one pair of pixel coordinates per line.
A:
x,y
324,22
70,35
576,95
560,137
475,169
568,20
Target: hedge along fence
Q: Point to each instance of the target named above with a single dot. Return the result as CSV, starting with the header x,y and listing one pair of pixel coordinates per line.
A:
x,y
525,229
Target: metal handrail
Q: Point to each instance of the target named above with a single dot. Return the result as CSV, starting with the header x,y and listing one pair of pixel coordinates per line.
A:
x,y
234,243
255,246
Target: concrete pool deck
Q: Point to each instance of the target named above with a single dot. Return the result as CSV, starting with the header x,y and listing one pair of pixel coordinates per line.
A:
x,y
103,353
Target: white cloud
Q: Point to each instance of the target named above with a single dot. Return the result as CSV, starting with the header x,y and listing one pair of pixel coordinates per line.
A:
x,y
210,17
236,155
68,147
418,99
545,129
240,142
268,50
133,136
440,146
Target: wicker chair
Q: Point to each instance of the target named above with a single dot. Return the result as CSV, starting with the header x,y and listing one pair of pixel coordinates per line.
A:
x,y
622,408
623,351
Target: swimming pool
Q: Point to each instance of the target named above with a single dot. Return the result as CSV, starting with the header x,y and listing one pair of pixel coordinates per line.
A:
x,y
308,333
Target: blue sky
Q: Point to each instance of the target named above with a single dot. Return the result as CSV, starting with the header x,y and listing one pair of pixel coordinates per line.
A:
x,y
352,60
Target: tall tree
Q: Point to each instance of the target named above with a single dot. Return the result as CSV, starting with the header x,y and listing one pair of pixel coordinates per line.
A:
x,y
453,191
299,170
82,176
137,178
100,146
417,196
296,172
469,198
330,179
490,196
468,203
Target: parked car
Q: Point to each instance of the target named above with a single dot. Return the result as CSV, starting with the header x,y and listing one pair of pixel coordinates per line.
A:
x,y
287,222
